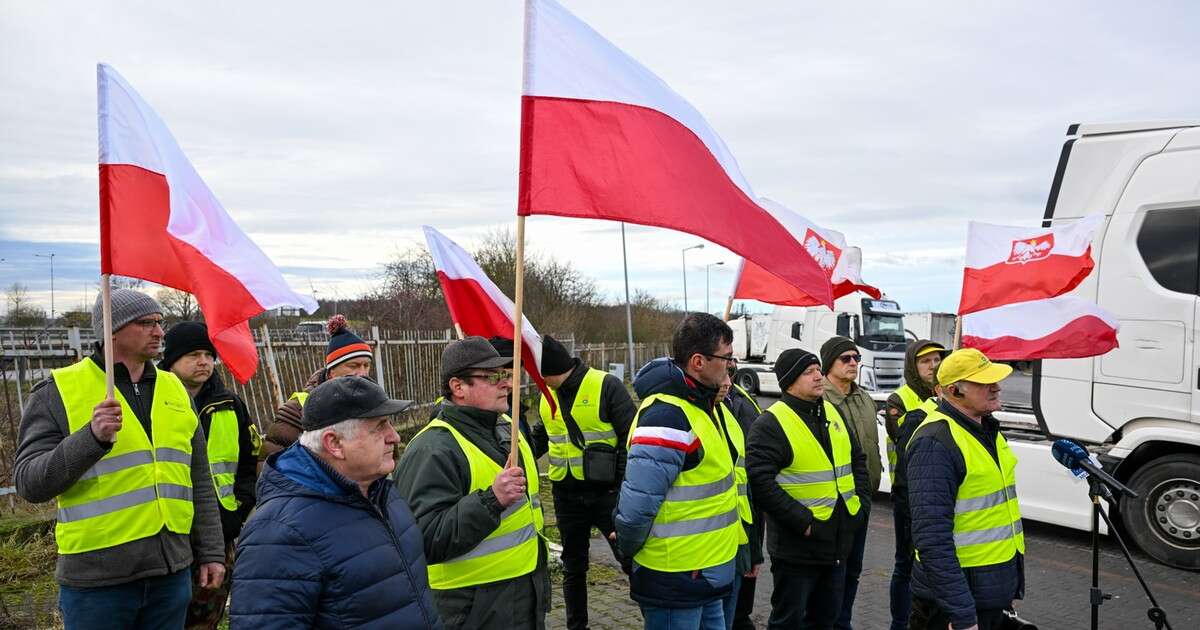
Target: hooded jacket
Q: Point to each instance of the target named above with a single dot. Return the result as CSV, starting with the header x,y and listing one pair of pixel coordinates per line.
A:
x,y
769,452
894,406
650,472
319,554
213,397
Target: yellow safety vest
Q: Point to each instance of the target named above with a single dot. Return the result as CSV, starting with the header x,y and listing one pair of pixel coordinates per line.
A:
x,y
564,456
738,439
512,549
810,477
987,518
223,451
697,525
300,397
911,401
138,487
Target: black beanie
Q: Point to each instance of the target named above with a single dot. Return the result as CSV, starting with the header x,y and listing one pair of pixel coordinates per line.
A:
x,y
183,338
555,358
791,364
503,345
832,349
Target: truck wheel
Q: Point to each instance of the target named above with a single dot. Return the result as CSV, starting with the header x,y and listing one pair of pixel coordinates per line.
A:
x,y
747,380
1165,520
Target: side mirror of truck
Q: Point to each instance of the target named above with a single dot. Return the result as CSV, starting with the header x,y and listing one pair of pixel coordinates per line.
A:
x,y
843,325
797,330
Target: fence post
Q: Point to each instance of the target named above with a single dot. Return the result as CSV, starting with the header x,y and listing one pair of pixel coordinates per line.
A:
x,y
379,371
74,341
20,383
272,368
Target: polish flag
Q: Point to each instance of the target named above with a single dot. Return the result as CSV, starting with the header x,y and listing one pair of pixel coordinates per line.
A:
x,y
1064,327
478,306
160,222
1007,264
602,137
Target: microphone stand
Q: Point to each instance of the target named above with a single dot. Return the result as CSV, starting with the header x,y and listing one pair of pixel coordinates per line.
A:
x,y
1097,489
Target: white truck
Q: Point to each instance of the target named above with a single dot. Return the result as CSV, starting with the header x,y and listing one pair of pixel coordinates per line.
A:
x,y
877,327
937,327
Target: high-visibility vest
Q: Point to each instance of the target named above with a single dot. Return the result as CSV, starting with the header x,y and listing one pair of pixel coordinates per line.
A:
x,y
734,432
300,397
910,400
138,487
565,457
748,397
511,550
987,518
697,524
810,478
223,451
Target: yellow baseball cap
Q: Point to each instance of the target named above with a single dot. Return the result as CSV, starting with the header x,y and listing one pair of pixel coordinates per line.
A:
x,y
971,365
930,349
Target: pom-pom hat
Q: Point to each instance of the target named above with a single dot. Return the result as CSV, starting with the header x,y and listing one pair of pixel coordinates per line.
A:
x,y
343,344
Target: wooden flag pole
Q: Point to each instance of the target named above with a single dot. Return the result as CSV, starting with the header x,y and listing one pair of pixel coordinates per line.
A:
x,y
728,308
458,329
957,332
518,299
106,307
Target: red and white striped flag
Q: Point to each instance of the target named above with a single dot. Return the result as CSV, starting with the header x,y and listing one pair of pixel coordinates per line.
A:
x,y
1007,264
602,137
1063,327
478,306
160,222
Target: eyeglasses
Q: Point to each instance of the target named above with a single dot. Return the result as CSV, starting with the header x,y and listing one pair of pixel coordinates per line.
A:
x,y
493,378
148,323
716,357
846,358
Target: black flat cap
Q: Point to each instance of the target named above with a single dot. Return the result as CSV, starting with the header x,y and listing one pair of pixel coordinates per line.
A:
x,y
347,397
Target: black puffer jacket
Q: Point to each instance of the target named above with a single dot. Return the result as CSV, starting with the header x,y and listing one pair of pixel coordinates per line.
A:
x,y
768,452
936,468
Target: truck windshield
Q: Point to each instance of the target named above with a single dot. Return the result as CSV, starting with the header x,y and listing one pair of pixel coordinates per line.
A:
x,y
883,327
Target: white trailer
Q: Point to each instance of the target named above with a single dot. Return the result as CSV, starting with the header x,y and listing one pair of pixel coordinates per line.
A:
x,y
937,327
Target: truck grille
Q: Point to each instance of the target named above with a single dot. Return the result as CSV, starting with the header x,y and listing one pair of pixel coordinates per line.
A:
x,y
889,372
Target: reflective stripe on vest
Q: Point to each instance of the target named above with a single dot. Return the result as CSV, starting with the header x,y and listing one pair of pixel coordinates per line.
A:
x,y
223,451
688,533
734,431
810,477
137,488
910,400
511,550
987,517
564,456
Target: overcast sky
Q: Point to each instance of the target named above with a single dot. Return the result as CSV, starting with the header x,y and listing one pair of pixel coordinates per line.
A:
x,y
332,131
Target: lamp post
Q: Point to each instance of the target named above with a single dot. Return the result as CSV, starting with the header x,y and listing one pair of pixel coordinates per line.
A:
x,y
706,291
684,255
51,257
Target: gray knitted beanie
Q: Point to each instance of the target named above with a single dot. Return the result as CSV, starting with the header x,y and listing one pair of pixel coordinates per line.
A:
x,y
127,306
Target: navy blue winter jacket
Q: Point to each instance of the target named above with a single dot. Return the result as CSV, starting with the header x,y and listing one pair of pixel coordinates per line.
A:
x,y
649,474
935,469
318,554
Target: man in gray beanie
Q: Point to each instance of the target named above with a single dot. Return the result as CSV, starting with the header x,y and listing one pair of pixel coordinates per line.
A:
x,y
136,504
840,360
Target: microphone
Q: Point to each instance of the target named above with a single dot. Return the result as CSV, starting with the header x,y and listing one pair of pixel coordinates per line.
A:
x,y
1073,456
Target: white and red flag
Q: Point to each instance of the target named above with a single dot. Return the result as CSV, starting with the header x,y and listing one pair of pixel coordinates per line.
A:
x,y
160,222
478,306
1063,327
1008,264
602,137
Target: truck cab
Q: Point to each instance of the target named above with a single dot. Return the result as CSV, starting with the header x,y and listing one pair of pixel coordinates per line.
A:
x,y
1138,405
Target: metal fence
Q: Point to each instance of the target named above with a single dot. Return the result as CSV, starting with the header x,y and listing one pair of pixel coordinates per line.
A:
x,y
406,363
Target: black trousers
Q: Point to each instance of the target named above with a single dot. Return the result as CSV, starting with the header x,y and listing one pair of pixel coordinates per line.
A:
x,y
576,513
745,605
806,595
927,615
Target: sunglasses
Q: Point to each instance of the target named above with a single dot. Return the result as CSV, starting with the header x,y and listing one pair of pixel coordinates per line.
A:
x,y
846,358
493,378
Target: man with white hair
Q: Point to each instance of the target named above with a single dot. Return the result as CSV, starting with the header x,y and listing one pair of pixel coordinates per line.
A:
x,y
332,545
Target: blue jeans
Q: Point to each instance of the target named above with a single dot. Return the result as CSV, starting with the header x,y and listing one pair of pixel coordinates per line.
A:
x,y
151,603
854,568
900,591
710,616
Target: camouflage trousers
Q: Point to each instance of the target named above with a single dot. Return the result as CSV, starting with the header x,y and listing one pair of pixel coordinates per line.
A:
x,y
208,604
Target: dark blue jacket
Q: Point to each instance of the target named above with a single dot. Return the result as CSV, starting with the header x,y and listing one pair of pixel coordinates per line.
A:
x,y
649,474
935,468
318,554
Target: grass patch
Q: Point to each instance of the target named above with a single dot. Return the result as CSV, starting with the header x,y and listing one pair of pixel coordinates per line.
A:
x,y
28,592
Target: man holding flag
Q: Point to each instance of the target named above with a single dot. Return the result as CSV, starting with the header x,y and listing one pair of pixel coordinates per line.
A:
x,y
136,504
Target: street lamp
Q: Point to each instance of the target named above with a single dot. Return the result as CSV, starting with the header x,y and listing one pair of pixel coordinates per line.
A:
x,y
684,255
706,291
51,257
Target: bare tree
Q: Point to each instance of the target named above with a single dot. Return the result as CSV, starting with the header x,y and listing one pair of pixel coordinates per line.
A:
x,y
178,305
21,312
